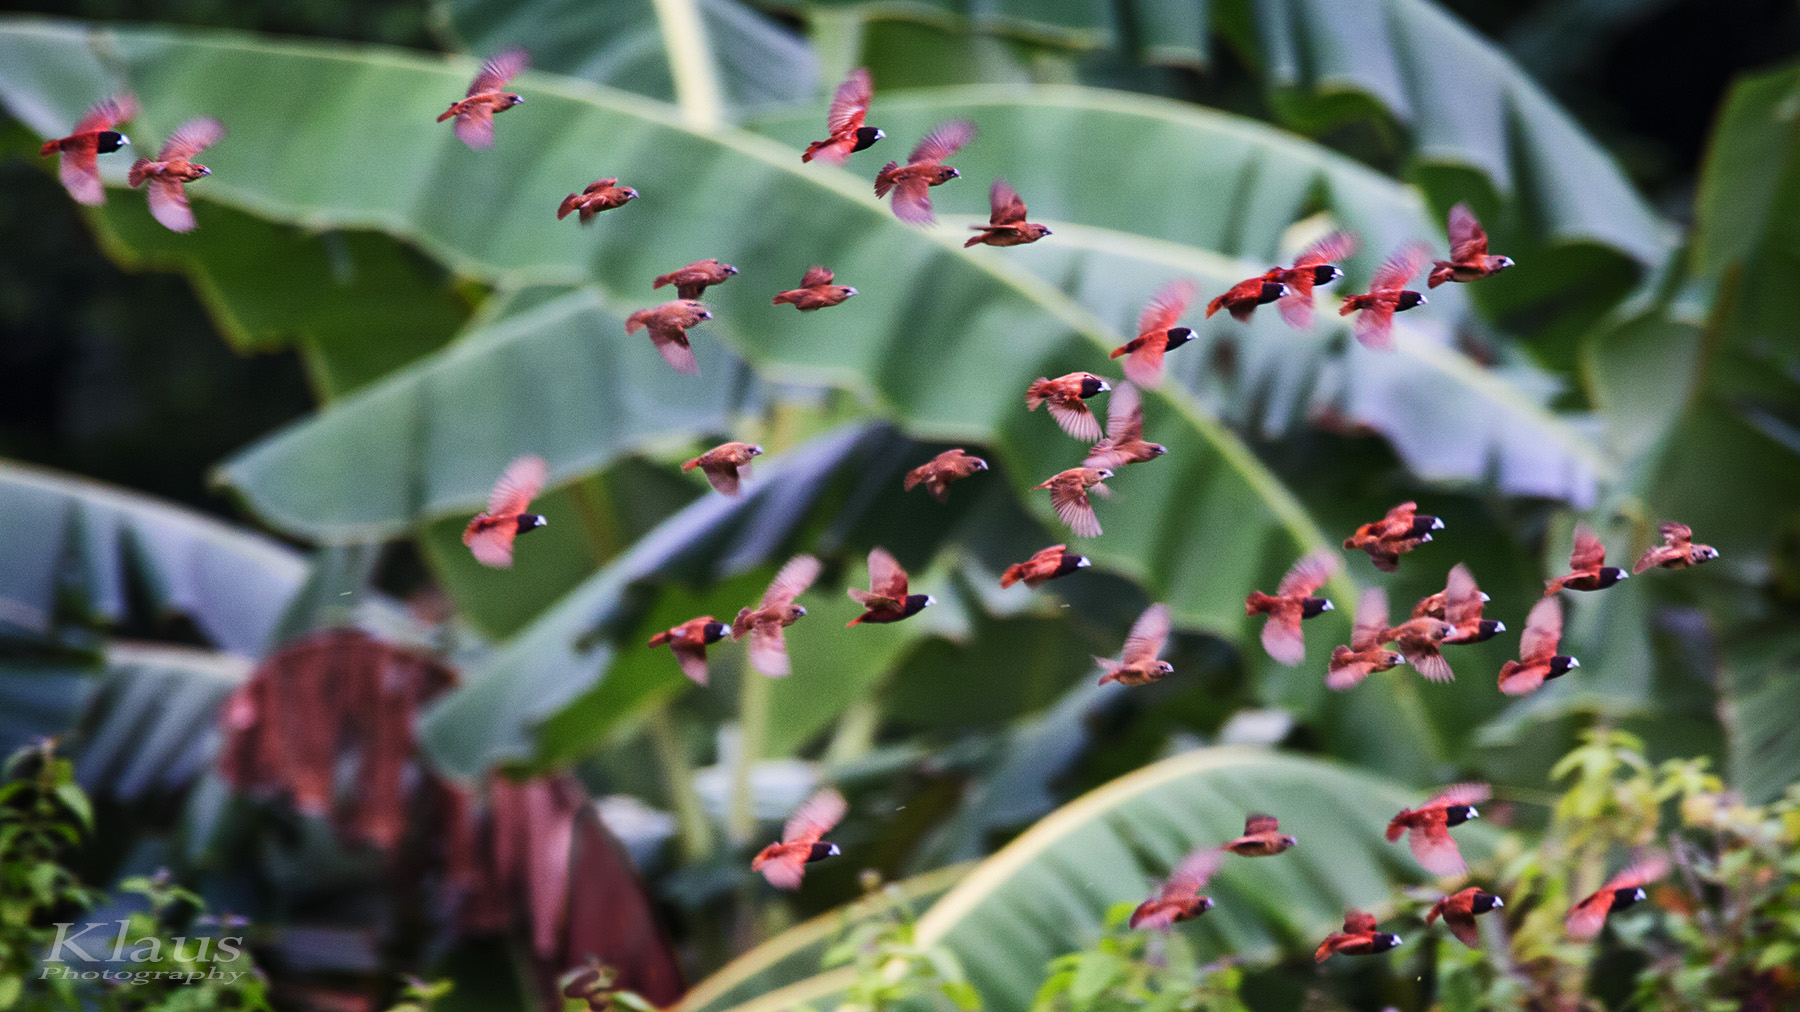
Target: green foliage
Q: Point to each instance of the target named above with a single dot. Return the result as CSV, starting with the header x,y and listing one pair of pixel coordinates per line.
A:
x,y
1138,970
891,966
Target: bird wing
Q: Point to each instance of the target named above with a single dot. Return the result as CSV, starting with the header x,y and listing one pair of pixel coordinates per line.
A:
x,y
518,485
814,276
1461,794
1462,924
1346,673
1357,922
1585,918
785,869
1588,553
492,546
1125,415
1075,419
169,204
1308,575
1192,874
851,102
725,477
1468,240
1677,535
672,343
1333,247
1148,635
1006,206
1435,848
1399,267
1070,501
1144,366
191,138
768,650
886,578
1282,638
814,818
1374,326
943,142
1427,660
500,69
792,581
1260,823
475,127
912,201
1166,307
1371,619
1462,597
1543,631
79,171
1641,873
107,113
692,658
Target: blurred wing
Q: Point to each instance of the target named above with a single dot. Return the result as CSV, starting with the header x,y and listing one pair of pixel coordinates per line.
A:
x,y
791,581
768,650
108,113
1007,207
1260,823
1585,918
692,660
1521,680
1371,619
1297,305
1374,326
1677,535
815,817
1463,926
1282,638
1436,849
1462,597
1400,267
1125,414
886,578
502,68
1144,366
1330,249
1075,419
522,481
493,547
1194,871
1154,915
475,127
79,171
724,478
1461,794
1588,553
1308,575
1430,662
1543,631
1468,240
672,344
943,142
1072,508
912,201
1341,676
816,275
191,138
1356,922
851,102
1166,307
1148,635
169,204
1642,873
785,870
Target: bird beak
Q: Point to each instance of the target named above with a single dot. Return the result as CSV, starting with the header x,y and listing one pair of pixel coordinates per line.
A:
x,y
880,134
756,451
981,464
1423,301
1105,386
848,291
1498,903
730,269
1082,562
725,630
955,174
1328,605
205,171
124,139
1499,627
929,600
542,521
1473,814
801,609
1048,232
1573,663
1485,598
1437,524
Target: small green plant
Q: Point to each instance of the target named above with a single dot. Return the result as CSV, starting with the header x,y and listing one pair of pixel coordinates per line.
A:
x,y
892,968
590,989
1129,970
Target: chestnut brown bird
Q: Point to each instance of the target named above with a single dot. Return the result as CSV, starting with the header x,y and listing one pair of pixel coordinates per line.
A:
x,y
777,610
600,195
1402,530
1045,564
1138,663
1538,660
1063,397
923,170
1428,826
726,466
668,325
1587,566
1006,220
1359,938
849,106
1677,551
937,473
1315,266
1459,910
1469,259
1241,299
784,864
1459,604
475,112
1069,497
1157,334
1124,442
163,179
887,599
1293,601
489,537
693,280
1419,640
1262,838
1179,899
1386,296
1625,889
95,133
815,292
1365,655
688,641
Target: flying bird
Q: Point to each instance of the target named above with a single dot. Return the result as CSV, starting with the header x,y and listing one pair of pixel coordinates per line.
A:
x,y
1291,286
1293,601
1428,826
1157,334
165,177
815,292
1365,655
1045,564
1179,899
1538,660
96,133
1124,442
802,841
489,537
1063,397
1587,566
1241,299
725,465
1469,259
1459,910
688,641
849,107
1386,296
475,112
1419,640
1359,938
924,169
1677,551
1262,838
1402,530
765,623
887,599
937,473
1069,497
668,325
1138,663
1459,604
1006,221
1622,890
600,195
693,280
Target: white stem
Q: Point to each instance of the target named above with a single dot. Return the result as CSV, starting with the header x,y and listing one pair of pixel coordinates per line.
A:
x,y
691,63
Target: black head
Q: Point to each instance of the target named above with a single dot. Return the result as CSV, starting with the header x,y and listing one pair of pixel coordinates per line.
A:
x,y
822,850
109,141
1623,898
1610,575
1070,563
866,136
715,631
1561,664
1093,385
1313,607
1483,902
529,522
1409,299
916,603
1383,941
1423,525
1178,336
1325,274
1488,629
1456,815
1271,290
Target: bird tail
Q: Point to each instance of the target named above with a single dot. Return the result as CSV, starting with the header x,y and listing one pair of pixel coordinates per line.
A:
x,y
1431,915
1397,828
1035,394
662,281
635,322
660,638
740,625
976,240
1109,668
569,203
136,176
884,180
1441,271
447,114
811,150
1120,350
784,299
1259,603
1214,306
1014,573
50,148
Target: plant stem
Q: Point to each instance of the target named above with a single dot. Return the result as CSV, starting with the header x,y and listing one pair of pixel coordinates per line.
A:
x,y
753,730
855,733
690,63
693,829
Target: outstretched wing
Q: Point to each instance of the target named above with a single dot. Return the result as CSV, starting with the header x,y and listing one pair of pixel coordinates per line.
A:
x,y
1075,419
912,202
692,659
1308,575
1436,849
1356,922
475,127
886,578
1148,635
791,581
813,819
1192,874
815,275
1399,267
1125,414
79,170
518,485
1374,326
851,102
108,113
191,138
1461,794
1468,240
493,546
1462,597
1257,822
1330,249
1072,507
1543,631
943,142
1006,206
768,650
1371,619
1589,552
672,344
1166,307
497,71
169,204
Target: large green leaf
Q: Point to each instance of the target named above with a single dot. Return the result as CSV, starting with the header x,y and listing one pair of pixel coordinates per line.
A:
x,y
1047,892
